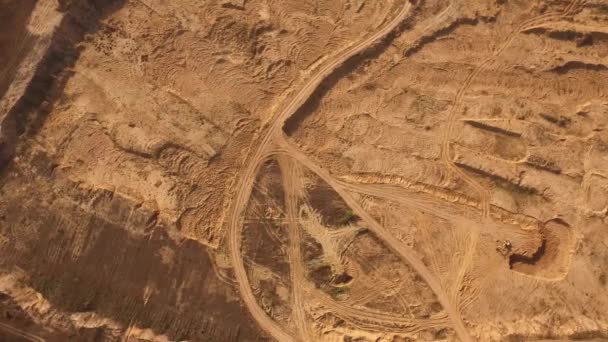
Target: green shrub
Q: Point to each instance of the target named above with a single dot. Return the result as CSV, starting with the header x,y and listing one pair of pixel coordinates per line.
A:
x,y
348,216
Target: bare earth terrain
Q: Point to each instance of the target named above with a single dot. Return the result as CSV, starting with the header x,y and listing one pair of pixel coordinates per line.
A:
x,y
303,170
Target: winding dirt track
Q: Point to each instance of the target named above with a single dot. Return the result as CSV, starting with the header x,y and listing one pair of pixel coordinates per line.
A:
x,y
291,177
264,150
245,184
20,333
405,253
375,317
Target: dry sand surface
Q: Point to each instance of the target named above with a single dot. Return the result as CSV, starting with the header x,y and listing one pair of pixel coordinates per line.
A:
x,y
303,170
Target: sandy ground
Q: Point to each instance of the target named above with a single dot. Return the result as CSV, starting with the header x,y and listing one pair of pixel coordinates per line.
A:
x,y
303,170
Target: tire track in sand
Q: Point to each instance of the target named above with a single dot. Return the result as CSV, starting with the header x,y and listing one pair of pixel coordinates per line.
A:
x,y
405,253
245,183
291,179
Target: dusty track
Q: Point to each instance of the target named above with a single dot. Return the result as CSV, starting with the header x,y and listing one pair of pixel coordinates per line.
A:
x,y
484,194
245,183
132,157
405,253
21,333
273,129
291,176
378,319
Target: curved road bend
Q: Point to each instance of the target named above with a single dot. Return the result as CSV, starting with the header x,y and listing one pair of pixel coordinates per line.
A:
x,y
245,183
393,243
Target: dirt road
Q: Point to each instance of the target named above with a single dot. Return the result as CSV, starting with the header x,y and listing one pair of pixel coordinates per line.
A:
x,y
405,253
273,130
290,178
245,184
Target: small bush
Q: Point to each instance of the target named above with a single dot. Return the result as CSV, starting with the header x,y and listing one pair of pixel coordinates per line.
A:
x,y
348,217
339,292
